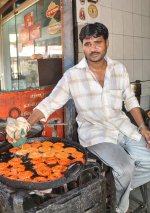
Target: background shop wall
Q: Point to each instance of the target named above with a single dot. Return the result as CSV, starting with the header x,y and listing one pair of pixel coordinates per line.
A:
x,y
68,31
128,22
1,61
22,103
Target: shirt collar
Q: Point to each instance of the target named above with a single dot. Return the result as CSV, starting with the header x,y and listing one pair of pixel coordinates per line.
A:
x,y
82,64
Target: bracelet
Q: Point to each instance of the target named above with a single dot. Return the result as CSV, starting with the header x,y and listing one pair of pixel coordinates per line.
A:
x,y
141,126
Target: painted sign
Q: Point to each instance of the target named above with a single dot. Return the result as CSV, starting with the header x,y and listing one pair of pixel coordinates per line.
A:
x,y
53,8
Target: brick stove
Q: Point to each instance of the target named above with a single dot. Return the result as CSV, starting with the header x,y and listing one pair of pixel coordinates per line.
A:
x,y
83,194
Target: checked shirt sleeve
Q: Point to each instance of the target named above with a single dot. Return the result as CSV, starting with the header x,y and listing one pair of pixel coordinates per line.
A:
x,y
130,100
57,98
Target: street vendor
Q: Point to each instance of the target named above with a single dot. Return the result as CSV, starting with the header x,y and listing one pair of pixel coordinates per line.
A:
x,y
99,85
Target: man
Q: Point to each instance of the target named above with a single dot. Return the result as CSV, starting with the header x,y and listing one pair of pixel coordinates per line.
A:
x,y
98,86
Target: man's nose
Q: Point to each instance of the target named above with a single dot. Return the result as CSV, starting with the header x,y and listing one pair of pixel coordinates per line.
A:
x,y
93,46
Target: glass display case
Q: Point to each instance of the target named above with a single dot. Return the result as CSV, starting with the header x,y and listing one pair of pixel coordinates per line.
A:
x,y
31,35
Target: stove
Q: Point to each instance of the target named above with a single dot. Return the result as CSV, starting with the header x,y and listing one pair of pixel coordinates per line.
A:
x,y
85,193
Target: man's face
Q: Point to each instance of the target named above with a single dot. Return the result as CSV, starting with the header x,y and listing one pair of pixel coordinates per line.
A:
x,y
95,48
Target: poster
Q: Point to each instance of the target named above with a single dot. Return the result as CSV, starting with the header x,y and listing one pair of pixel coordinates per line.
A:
x,y
53,8
28,20
93,11
87,11
35,31
54,27
24,35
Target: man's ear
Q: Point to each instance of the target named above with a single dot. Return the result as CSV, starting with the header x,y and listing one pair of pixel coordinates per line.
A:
x,y
107,43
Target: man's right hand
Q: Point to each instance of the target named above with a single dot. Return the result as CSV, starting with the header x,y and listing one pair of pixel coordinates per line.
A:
x,y
16,129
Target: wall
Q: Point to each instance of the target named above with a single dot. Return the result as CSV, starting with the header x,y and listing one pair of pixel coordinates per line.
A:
x,y
128,22
21,103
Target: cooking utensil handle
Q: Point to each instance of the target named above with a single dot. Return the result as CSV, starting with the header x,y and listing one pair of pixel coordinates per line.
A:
x,y
73,169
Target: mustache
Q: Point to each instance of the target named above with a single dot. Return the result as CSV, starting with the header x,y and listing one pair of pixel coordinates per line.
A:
x,y
94,53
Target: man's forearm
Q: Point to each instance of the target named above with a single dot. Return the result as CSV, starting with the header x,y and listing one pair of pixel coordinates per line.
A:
x,y
35,117
137,115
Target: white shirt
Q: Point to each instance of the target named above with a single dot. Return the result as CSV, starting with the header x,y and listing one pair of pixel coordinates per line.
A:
x,y
100,117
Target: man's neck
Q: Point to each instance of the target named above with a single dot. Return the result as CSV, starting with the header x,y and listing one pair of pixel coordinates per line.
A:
x,y
99,70
99,66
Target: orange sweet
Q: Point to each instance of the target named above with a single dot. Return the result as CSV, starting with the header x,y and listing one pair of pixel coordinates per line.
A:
x,y
34,155
70,149
39,179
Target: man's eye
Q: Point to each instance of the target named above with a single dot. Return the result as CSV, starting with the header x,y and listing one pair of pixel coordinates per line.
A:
x,y
98,42
87,44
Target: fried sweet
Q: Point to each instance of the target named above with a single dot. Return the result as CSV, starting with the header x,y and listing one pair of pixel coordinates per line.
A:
x,y
14,161
51,161
64,162
39,179
43,171
44,148
22,152
13,171
47,143
19,167
26,175
14,150
70,150
59,168
36,144
57,149
77,154
62,155
54,176
39,165
57,174
3,166
34,155
48,154
58,144
26,146
5,173
37,160
13,177
32,149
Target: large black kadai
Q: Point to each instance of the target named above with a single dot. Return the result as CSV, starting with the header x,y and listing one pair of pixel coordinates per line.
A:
x,y
80,190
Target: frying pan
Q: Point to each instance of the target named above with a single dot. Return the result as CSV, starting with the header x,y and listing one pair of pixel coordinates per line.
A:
x,y
72,172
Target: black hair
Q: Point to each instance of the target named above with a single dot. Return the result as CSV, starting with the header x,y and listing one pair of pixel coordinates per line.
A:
x,y
94,30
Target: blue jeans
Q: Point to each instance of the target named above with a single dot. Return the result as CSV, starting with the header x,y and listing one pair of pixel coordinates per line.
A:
x,y
130,163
